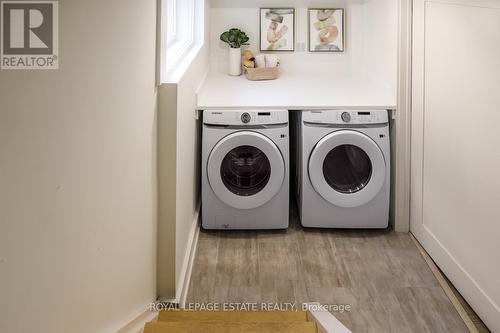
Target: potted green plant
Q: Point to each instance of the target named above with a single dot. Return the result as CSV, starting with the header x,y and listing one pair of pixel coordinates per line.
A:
x,y
235,38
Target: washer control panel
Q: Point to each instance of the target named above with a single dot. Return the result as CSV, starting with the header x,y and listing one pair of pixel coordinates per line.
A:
x,y
243,118
346,117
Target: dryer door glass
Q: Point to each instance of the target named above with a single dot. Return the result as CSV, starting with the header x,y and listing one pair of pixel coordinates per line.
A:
x,y
245,170
347,169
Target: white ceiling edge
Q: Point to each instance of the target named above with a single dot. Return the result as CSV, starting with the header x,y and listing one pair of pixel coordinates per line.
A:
x,y
283,3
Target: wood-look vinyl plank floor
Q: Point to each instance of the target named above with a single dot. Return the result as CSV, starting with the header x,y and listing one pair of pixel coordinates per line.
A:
x,y
379,273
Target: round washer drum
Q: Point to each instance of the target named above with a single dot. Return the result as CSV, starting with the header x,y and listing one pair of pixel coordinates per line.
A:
x,y
347,168
245,170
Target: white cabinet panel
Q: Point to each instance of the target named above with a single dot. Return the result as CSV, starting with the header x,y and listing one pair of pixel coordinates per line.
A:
x,y
456,145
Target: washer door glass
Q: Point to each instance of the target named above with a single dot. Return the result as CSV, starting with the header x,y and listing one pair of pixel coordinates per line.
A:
x,y
245,170
347,168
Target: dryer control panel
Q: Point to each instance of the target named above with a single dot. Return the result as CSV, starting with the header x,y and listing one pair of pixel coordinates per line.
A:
x,y
230,117
345,117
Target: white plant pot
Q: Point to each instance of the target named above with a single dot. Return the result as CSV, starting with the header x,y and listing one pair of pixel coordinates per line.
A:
x,y
234,61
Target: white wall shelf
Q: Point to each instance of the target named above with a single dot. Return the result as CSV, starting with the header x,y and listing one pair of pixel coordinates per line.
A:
x,y
295,91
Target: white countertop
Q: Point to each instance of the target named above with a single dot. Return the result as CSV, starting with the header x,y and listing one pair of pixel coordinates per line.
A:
x,y
295,91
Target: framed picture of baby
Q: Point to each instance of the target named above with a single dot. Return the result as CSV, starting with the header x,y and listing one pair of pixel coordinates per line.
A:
x,y
277,29
326,30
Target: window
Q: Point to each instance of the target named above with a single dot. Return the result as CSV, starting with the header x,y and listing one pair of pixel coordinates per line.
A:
x,y
182,33
180,27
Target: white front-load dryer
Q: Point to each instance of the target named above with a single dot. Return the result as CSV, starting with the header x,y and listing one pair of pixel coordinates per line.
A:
x,y
245,170
343,169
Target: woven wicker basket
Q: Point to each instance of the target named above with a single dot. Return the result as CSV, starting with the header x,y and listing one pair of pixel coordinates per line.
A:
x,y
260,74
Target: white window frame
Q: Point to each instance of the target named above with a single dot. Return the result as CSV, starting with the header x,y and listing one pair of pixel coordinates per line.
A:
x,y
182,34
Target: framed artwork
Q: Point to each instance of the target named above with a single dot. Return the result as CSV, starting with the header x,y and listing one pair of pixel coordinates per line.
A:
x,y
326,30
277,29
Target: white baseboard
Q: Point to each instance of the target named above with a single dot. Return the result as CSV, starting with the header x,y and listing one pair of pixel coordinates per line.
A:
x,y
187,265
136,325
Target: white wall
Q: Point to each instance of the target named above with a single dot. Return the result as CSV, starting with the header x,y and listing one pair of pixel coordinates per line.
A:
x,y
381,30
77,175
188,162
179,156
371,32
455,145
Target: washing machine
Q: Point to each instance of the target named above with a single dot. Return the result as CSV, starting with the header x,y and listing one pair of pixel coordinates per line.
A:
x,y
342,173
245,169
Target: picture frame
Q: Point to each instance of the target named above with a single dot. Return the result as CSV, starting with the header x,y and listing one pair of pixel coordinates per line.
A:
x,y
277,29
326,30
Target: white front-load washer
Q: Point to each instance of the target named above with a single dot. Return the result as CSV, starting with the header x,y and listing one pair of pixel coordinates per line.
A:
x,y
343,168
245,169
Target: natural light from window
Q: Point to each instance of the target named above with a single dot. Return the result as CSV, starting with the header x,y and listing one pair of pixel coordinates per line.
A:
x,y
182,35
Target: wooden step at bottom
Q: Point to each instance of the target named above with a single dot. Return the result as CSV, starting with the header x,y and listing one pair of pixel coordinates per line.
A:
x,y
234,316
229,327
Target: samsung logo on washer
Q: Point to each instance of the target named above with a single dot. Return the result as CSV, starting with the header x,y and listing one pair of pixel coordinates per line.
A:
x,y
29,35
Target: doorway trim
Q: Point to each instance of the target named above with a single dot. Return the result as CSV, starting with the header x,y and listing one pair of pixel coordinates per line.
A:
x,y
400,214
